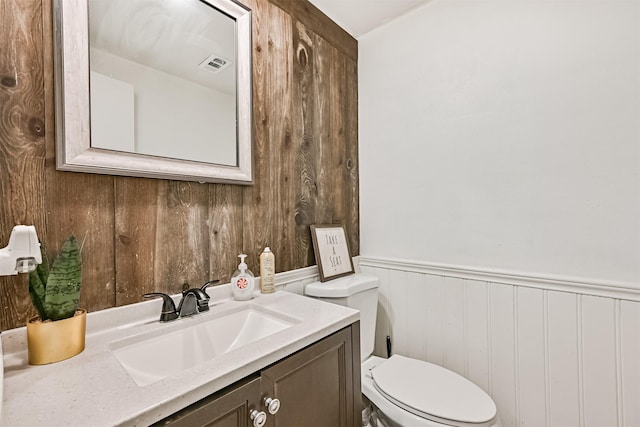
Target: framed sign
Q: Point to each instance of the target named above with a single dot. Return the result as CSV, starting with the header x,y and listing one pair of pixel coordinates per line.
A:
x,y
331,249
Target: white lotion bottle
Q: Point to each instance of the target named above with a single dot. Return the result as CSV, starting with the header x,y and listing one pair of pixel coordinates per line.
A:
x,y
267,271
242,281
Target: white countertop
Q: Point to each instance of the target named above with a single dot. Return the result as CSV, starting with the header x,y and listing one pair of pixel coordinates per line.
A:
x,y
93,389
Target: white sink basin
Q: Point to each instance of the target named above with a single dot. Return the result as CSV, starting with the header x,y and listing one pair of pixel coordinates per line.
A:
x,y
186,343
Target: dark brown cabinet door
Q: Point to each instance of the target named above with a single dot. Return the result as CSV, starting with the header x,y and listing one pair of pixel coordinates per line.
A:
x,y
318,386
227,408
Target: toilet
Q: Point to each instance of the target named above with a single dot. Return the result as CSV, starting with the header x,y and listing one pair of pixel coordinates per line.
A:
x,y
405,392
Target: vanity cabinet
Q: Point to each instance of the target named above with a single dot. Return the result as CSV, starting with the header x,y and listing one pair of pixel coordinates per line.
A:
x,y
319,386
228,408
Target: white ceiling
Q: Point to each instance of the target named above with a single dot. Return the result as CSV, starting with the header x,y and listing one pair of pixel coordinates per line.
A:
x,y
175,37
358,17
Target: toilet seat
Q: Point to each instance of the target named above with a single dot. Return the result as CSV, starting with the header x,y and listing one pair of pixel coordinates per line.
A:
x,y
434,393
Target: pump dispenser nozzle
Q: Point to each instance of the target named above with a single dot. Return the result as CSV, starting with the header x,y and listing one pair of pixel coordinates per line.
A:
x,y
242,266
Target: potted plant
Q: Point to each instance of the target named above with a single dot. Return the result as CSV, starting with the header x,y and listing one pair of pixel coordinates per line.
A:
x,y
58,332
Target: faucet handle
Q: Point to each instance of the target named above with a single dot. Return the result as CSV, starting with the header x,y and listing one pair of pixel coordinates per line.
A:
x,y
169,311
201,295
204,287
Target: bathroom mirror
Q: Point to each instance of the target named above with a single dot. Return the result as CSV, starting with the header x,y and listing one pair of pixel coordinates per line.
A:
x,y
154,88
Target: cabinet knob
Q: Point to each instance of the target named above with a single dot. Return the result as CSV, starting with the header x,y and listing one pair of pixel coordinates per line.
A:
x,y
273,405
258,418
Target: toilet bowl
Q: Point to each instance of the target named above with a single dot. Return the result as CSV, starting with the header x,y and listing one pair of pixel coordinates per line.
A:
x,y
402,391
412,393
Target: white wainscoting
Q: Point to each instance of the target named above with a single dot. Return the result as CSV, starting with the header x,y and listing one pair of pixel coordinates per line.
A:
x,y
552,353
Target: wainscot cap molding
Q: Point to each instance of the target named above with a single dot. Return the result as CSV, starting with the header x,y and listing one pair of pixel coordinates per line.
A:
x,y
577,285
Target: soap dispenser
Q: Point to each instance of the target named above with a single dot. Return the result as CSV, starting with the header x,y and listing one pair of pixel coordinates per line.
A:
x,y
242,281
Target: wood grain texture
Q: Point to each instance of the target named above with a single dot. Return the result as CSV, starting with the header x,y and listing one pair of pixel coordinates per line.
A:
x,y
225,230
350,167
302,119
256,233
135,237
182,236
82,204
318,23
22,139
321,128
282,182
143,235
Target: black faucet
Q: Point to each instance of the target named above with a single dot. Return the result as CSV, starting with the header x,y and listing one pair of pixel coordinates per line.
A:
x,y
194,301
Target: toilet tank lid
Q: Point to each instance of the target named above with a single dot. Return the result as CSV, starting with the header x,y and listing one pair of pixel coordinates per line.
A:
x,y
342,287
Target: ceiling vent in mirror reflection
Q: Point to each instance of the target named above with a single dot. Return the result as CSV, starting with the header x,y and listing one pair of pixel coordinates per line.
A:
x,y
215,63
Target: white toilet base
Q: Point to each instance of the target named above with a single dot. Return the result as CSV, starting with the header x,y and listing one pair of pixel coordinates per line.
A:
x,y
384,412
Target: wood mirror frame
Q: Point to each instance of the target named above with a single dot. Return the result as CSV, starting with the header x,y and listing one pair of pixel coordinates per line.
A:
x,y
73,136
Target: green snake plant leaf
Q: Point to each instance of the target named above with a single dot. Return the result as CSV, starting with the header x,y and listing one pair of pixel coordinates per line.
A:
x,y
64,282
42,270
37,285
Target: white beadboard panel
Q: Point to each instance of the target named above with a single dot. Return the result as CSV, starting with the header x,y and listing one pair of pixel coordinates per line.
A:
x,y
416,316
477,333
454,342
548,357
599,362
531,357
501,313
435,327
398,297
563,364
630,363
385,314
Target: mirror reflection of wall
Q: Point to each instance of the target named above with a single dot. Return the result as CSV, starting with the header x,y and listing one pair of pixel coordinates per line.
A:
x,y
163,79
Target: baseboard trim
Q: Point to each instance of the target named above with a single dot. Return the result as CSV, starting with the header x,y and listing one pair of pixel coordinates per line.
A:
x,y
617,290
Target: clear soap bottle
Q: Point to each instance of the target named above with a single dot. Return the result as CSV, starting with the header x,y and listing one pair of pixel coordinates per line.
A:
x,y
242,281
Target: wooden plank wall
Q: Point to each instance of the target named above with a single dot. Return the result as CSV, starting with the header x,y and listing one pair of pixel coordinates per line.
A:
x,y
144,235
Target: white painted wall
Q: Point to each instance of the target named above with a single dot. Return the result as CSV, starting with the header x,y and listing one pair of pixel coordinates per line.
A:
x,y
112,114
174,117
500,200
504,135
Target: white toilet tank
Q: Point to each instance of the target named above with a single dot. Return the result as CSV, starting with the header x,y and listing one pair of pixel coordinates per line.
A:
x,y
358,291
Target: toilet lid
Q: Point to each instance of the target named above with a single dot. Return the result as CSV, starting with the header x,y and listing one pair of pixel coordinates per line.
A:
x,y
433,392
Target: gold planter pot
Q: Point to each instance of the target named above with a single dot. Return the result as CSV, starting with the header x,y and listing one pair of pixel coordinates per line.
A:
x,y
51,342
